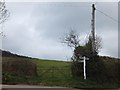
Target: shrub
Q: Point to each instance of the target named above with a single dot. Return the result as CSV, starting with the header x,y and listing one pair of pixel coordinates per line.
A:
x,y
19,67
96,69
77,70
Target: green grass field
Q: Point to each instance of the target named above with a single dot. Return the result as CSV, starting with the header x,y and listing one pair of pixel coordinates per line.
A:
x,y
53,73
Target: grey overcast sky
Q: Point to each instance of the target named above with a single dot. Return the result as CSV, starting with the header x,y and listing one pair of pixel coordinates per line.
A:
x,y
34,29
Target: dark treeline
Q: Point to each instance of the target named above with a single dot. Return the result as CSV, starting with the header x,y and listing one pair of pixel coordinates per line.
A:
x,y
9,54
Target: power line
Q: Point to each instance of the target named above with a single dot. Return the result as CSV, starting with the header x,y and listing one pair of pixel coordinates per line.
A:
x,y
107,15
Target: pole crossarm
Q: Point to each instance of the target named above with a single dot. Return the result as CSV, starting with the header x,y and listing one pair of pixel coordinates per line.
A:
x,y
83,58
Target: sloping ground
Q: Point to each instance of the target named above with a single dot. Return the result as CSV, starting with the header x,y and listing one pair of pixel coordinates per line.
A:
x,y
56,73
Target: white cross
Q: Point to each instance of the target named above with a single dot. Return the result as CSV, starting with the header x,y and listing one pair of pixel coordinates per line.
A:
x,y
83,59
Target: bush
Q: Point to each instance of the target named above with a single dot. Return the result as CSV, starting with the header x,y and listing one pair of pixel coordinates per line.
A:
x,y
77,70
112,70
96,69
103,70
19,67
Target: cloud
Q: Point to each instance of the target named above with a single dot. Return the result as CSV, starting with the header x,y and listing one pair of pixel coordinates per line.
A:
x,y
35,29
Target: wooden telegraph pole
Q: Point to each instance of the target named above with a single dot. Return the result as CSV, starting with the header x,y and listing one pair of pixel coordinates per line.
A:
x,y
93,29
83,59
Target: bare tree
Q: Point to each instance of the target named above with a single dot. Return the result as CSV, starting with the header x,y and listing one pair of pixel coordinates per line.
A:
x,y
4,14
98,43
71,39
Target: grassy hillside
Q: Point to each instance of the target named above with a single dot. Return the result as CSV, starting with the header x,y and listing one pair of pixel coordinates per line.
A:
x,y
55,73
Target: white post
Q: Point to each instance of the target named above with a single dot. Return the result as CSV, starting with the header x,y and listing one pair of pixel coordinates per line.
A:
x,y
83,59
84,67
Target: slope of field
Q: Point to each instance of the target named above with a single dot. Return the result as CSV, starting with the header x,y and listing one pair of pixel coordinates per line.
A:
x,y
53,73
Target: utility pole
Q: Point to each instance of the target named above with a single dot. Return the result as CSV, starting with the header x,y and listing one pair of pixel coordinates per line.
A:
x,y
93,29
